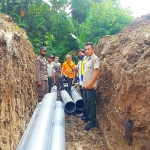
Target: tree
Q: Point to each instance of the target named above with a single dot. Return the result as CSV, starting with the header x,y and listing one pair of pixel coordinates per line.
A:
x,y
60,31
105,18
79,10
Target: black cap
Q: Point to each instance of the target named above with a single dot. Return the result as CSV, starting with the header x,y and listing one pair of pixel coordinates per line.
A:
x,y
42,48
51,56
81,50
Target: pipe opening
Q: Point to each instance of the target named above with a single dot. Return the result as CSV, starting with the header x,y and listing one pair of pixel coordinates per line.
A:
x,y
79,104
70,107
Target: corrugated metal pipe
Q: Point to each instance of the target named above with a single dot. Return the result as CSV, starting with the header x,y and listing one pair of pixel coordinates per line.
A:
x,y
39,130
67,100
77,99
58,128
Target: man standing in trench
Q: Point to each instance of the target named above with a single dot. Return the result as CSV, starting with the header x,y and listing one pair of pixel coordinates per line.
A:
x,y
51,72
89,84
67,73
41,74
57,67
79,68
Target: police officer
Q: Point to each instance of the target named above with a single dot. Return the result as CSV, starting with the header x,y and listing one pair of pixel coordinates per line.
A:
x,y
41,74
89,84
51,72
57,67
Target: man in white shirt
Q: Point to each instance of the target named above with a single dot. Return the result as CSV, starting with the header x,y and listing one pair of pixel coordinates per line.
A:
x,y
51,72
91,71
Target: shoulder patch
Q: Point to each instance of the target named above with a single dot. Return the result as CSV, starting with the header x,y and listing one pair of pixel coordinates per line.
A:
x,y
37,61
95,60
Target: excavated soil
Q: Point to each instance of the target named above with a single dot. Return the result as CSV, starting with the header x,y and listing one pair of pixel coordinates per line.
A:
x,y
18,96
123,104
77,138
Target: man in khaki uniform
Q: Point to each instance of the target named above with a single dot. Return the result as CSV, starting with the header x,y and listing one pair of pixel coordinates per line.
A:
x,y
89,84
41,74
51,72
57,67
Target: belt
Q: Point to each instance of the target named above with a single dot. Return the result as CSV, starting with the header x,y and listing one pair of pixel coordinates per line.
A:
x,y
49,77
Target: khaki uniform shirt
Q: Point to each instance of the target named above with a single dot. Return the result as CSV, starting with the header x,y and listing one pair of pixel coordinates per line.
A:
x,y
91,64
50,69
57,66
41,69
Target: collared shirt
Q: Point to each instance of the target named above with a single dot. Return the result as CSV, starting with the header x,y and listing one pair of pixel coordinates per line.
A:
x,y
57,66
68,69
81,65
50,69
41,69
91,64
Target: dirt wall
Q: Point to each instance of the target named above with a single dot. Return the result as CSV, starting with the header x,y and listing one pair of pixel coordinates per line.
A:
x,y
17,82
123,104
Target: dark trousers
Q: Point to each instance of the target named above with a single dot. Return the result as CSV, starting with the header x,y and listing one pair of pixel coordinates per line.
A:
x,y
83,111
50,83
68,80
89,97
57,81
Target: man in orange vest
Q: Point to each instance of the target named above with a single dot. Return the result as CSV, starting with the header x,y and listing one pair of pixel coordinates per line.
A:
x,y
67,73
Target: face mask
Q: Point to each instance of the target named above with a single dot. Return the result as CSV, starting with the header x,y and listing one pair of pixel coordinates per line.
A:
x,y
81,57
56,61
43,55
68,59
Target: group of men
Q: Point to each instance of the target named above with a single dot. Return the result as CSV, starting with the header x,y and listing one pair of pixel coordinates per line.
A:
x,y
49,72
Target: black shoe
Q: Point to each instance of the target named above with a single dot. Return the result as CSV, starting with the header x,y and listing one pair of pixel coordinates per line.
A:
x,y
79,115
84,118
39,100
61,88
90,125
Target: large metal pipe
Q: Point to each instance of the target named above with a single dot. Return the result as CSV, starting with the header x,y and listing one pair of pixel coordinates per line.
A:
x,y
54,89
67,100
77,98
40,132
58,128
27,132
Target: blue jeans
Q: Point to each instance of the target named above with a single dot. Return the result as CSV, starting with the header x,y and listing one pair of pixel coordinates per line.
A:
x,y
68,80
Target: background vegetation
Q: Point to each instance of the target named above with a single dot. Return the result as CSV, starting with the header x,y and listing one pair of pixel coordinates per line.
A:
x,y
66,25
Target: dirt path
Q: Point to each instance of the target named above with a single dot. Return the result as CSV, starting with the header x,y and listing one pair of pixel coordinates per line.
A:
x,y
77,138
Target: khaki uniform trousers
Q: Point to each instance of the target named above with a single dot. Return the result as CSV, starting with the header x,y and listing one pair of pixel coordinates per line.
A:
x,y
42,90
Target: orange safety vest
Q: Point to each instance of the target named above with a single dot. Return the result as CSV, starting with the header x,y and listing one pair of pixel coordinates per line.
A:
x,y
68,69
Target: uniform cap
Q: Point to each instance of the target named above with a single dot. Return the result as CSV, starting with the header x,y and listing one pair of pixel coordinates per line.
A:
x,y
51,56
42,48
68,56
81,50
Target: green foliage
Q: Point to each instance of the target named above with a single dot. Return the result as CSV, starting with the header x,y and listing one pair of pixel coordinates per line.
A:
x,y
105,18
62,31
80,10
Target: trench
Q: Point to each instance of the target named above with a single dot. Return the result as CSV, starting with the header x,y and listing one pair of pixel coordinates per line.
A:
x,y
77,138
